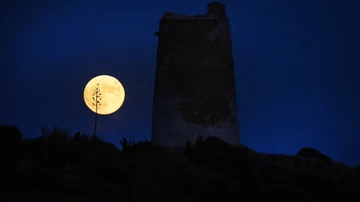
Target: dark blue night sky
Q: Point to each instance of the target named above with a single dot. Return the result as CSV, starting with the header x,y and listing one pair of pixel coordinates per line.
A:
x,y
296,66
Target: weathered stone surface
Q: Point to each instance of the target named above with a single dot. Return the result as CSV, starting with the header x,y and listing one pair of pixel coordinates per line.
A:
x,y
194,84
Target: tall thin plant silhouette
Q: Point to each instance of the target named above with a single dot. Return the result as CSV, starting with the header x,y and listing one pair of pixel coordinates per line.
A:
x,y
96,98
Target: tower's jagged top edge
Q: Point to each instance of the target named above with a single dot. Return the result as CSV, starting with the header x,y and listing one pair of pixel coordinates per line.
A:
x,y
215,10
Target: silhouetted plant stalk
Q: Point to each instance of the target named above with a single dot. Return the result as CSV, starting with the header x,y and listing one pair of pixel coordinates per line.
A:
x,y
96,98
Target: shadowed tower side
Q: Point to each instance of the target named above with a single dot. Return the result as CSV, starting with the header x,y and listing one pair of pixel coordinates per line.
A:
x,y
194,82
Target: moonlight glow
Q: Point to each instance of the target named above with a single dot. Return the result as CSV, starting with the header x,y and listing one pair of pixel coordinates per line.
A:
x,y
112,94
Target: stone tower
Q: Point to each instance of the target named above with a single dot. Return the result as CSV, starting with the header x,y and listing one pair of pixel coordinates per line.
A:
x,y
194,83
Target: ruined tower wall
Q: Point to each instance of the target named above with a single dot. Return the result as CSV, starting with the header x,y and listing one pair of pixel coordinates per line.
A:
x,y
194,83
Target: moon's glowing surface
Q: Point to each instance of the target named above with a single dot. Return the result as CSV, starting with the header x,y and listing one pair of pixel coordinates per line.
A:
x,y
112,94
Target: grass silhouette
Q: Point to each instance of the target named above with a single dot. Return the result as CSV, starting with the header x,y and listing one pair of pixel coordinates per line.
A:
x,y
209,169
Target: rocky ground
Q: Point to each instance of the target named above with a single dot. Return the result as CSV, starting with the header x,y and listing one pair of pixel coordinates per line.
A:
x,y
208,170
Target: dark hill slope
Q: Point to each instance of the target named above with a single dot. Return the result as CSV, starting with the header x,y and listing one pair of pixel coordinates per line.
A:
x,y
58,167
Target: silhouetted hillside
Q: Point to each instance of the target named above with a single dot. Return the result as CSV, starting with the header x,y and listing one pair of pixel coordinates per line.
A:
x,y
60,167
313,153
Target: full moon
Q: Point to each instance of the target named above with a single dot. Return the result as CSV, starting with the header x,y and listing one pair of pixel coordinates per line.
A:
x,y
110,96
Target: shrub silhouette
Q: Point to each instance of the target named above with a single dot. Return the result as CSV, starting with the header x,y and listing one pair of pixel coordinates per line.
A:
x,y
96,140
313,153
199,140
11,140
52,148
127,144
188,148
142,146
216,153
213,168
80,140
56,147
130,146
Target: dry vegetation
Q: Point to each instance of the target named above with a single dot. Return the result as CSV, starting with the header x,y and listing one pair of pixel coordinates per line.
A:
x,y
60,167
